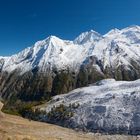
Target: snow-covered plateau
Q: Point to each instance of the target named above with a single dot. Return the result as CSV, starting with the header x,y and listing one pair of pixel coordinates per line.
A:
x,y
107,106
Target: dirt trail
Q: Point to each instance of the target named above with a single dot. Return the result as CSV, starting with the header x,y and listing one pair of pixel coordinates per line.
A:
x,y
17,128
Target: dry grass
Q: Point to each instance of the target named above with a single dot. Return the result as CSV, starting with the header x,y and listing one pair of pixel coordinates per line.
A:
x,y
17,128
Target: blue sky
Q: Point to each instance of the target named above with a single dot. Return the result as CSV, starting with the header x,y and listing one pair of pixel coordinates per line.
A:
x,y
23,22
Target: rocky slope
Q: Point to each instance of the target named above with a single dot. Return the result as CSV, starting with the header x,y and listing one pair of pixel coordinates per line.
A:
x,y
107,106
55,66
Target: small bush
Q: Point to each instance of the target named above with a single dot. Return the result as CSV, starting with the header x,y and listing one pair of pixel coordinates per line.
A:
x,y
60,113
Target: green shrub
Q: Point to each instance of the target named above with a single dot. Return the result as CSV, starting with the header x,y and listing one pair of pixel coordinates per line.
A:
x,y
61,113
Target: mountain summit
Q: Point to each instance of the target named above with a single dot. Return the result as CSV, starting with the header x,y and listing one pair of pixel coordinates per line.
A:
x,y
90,36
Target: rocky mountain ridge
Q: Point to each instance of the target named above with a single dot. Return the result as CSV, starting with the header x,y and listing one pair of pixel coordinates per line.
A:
x,y
54,66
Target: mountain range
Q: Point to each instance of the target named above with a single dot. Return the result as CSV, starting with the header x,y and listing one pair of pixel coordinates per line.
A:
x,y
116,48
54,66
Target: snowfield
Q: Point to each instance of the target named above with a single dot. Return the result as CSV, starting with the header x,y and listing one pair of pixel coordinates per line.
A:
x,y
108,106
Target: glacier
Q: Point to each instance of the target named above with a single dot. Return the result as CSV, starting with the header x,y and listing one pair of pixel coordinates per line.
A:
x,y
108,106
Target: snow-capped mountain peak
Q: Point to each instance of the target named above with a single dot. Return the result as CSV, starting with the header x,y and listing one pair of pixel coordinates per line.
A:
x,y
89,36
48,40
117,47
131,28
112,32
